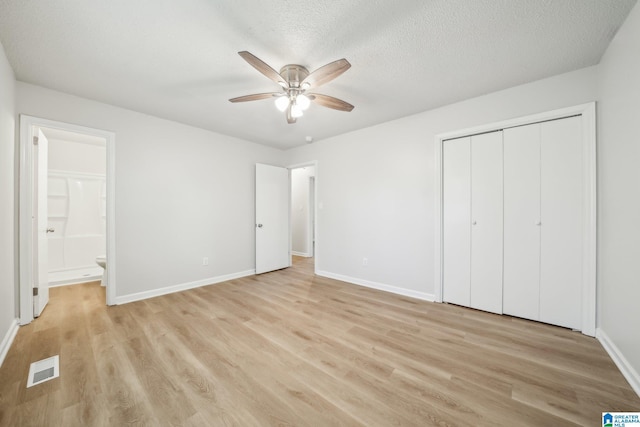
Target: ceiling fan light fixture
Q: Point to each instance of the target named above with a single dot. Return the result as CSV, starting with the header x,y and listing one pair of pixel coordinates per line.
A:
x,y
303,101
282,103
295,79
296,111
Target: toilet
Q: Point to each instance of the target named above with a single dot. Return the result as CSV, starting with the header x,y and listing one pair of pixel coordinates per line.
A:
x,y
102,262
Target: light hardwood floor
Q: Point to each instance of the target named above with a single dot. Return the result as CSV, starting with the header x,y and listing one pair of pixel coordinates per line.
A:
x,y
289,348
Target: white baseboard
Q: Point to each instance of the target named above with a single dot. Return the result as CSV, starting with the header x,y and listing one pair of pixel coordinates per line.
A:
x,y
302,254
8,340
628,371
379,286
123,299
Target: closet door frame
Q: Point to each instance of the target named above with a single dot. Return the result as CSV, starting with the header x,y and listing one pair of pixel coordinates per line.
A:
x,y
588,113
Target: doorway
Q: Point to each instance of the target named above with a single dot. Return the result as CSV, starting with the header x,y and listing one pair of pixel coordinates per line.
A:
x,y
66,209
76,206
303,211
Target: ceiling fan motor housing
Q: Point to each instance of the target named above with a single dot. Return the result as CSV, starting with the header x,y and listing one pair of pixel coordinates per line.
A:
x,y
294,74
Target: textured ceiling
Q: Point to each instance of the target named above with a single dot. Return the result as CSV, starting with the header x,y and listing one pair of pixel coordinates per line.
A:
x,y
178,59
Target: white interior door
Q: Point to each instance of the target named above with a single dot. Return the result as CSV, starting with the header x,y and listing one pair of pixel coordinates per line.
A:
x,y
456,218
521,294
40,225
272,218
561,216
486,220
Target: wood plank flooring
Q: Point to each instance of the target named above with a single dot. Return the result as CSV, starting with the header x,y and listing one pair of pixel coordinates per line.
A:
x,y
288,348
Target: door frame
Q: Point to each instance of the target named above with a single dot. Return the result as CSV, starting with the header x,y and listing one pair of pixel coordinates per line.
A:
x,y
40,224
311,206
315,237
589,211
26,191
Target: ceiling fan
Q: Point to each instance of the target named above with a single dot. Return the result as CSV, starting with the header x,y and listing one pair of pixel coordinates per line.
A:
x,y
296,81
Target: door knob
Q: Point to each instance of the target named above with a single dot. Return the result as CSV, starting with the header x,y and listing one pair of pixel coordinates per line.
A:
x,y
474,222
50,230
538,222
259,225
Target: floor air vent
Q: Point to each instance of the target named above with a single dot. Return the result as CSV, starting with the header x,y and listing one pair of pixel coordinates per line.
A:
x,y
44,370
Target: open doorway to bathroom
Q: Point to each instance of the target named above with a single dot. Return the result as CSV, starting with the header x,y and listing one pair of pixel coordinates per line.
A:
x,y
77,206
66,210
303,212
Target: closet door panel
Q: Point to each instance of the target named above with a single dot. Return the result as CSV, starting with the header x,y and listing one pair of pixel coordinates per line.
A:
x,y
486,218
561,215
456,221
521,217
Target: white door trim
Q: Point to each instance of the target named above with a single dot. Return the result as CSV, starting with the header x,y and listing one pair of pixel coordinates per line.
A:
x,y
27,124
311,184
316,236
588,113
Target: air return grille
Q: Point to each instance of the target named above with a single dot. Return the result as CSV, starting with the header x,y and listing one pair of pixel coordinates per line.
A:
x,y
44,370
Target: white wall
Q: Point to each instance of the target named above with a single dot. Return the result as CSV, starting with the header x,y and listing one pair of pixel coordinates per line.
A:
x,y
619,192
7,211
182,193
77,156
300,219
376,184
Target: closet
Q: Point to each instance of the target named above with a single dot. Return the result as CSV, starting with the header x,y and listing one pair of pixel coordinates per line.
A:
x,y
473,221
543,222
513,203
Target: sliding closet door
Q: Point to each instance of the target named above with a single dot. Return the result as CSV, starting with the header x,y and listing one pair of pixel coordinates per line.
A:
x,y
522,221
561,215
456,180
486,220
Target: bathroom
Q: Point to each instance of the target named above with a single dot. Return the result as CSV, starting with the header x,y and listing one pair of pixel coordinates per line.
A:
x,y
76,207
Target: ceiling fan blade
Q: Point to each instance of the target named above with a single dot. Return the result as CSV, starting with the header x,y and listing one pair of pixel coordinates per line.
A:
x,y
255,97
262,66
326,73
330,102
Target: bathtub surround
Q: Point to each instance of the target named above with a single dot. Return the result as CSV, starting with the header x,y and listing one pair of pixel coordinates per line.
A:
x,y
77,207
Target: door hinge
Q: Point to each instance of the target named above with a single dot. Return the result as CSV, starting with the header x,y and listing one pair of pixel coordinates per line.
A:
x,y
35,140
35,292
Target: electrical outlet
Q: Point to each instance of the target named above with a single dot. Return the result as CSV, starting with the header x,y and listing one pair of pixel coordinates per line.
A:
x,y
365,261
205,261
